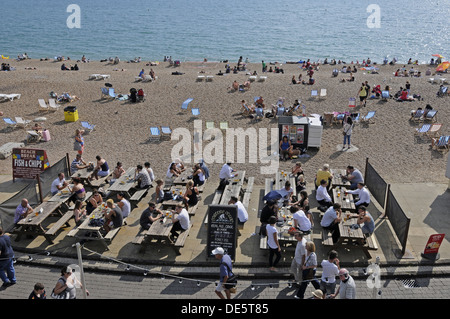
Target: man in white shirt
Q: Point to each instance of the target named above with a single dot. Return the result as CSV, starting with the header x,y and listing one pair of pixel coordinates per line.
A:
x,y
287,191
180,221
58,184
299,257
330,269
224,175
363,195
242,212
301,222
331,219
322,196
124,205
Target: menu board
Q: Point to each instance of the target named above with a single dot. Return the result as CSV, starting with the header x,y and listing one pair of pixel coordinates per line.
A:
x,y
295,133
222,227
28,162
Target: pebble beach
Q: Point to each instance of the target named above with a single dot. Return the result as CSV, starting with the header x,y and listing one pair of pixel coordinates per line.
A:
x,y
122,128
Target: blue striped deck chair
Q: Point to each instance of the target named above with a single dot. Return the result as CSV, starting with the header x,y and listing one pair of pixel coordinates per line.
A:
x,y
431,116
195,112
417,115
105,92
442,143
422,130
259,113
10,123
385,95
370,115
355,117
314,94
154,133
166,132
111,93
185,104
88,127
280,111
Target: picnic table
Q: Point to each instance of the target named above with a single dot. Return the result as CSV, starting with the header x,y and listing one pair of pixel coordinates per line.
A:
x,y
124,183
233,188
345,200
87,231
183,178
62,196
85,173
352,237
337,178
32,225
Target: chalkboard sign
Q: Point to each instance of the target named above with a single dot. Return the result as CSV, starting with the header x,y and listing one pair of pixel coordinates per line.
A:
x,y
222,227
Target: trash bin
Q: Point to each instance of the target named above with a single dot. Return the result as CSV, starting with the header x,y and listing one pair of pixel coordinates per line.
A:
x,y
70,114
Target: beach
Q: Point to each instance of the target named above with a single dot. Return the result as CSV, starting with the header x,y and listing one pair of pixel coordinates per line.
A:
x,y
122,128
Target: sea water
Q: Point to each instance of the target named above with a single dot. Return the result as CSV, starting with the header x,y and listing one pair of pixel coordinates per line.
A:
x,y
192,30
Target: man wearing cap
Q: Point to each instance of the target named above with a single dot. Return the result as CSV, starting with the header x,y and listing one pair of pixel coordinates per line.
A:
x,y
113,216
347,288
225,272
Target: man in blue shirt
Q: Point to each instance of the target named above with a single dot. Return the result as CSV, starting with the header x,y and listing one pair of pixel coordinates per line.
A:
x,y
7,272
331,219
225,272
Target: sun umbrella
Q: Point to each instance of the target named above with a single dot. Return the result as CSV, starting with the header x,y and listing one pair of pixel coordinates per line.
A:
x,y
438,55
443,66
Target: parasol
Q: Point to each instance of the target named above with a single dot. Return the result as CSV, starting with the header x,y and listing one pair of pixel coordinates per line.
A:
x,y
443,66
438,55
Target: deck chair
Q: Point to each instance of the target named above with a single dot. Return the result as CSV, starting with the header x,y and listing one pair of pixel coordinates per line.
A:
x,y
323,93
43,107
200,78
430,116
370,115
442,91
33,137
280,111
416,116
105,93
111,93
209,125
352,102
93,76
10,124
441,143
434,130
147,78
185,104
339,118
155,134
314,94
252,78
259,113
422,130
52,104
166,132
355,117
195,111
223,125
88,127
385,95
209,78
21,122
262,78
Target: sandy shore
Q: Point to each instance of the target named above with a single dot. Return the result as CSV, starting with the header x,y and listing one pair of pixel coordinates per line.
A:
x,y
122,128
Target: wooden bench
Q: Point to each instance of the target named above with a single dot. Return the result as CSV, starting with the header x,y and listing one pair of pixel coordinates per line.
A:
x,y
191,210
372,242
64,220
139,237
327,238
113,232
268,185
181,239
137,196
215,201
263,242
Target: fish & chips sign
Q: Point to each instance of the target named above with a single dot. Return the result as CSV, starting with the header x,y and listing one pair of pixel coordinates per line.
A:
x,y
28,163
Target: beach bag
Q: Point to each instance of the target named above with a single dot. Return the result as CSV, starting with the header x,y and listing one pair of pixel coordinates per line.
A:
x,y
231,281
62,295
77,146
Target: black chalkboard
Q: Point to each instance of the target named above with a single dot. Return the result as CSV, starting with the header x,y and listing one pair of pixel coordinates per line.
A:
x,y
222,228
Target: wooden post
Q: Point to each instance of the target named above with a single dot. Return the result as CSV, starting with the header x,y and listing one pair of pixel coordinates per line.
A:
x,y
80,263
38,177
68,164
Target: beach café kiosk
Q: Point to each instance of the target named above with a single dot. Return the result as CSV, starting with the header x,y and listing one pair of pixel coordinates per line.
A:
x,y
302,131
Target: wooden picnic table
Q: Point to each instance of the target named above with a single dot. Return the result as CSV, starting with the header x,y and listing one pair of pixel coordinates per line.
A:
x,y
124,183
283,236
160,229
337,178
346,201
349,235
183,178
62,196
32,224
233,188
